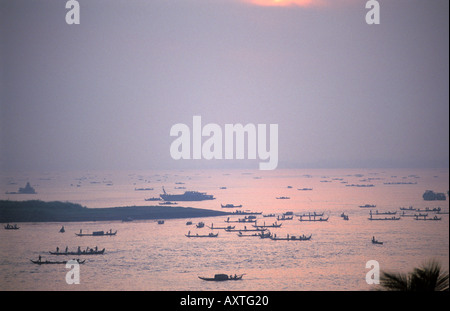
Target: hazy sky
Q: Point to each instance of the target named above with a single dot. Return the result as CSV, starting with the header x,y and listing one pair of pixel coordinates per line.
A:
x,y
104,94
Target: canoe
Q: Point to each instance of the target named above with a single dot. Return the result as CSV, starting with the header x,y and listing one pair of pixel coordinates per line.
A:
x,y
101,252
96,233
38,262
211,235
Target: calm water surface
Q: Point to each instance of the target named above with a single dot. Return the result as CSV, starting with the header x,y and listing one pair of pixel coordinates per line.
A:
x,y
147,256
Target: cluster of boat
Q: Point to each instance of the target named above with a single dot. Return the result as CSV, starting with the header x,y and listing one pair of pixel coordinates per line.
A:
x,y
11,227
79,252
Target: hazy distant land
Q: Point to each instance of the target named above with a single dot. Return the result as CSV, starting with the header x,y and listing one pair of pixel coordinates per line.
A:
x,y
40,211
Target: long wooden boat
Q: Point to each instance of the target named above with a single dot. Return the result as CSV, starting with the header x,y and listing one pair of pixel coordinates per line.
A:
x,y
245,230
292,238
223,277
210,235
274,225
97,233
230,205
313,219
40,262
386,218
240,234
77,253
225,228
11,227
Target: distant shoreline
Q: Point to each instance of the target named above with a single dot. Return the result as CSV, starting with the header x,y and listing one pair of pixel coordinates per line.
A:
x,y
56,211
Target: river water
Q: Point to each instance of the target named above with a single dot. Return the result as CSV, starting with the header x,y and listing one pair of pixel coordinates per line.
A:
x,y
145,255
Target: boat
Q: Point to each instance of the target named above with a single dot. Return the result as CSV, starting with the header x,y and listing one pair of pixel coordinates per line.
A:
x,y
386,218
430,195
143,189
167,203
407,208
240,234
241,220
40,262
228,227
62,230
313,219
274,225
269,215
344,216
223,277
311,214
245,230
284,217
367,206
427,209
230,205
210,235
97,233
201,224
376,242
283,198
153,199
91,251
265,234
238,212
188,223
186,196
11,227
383,213
160,222
304,189
27,189
291,238
425,218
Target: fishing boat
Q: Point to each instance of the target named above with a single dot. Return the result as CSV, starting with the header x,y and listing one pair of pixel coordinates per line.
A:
x,y
230,205
201,224
223,277
291,238
167,203
245,230
386,218
284,217
40,262
407,208
269,215
265,234
79,252
97,233
274,225
383,213
313,214
425,218
376,241
153,199
240,234
160,222
210,235
62,230
241,220
313,219
238,212
11,227
367,206
227,227
283,198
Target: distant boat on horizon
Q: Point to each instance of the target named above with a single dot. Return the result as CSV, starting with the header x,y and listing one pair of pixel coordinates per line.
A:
x,y
187,196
